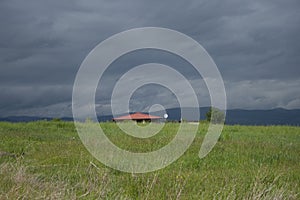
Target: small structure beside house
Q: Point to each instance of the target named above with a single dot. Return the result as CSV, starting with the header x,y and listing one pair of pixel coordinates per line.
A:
x,y
138,117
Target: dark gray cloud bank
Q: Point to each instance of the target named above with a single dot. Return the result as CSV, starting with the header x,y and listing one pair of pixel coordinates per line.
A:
x,y
255,44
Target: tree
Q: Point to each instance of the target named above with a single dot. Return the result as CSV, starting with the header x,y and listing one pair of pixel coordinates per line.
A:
x,y
215,115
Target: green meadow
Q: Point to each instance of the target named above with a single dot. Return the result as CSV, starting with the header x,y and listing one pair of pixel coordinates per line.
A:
x,y
47,160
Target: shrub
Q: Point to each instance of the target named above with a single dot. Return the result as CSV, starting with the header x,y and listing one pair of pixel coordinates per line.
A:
x,y
215,116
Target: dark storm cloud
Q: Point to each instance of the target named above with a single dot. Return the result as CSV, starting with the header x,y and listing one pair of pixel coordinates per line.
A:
x,y
42,44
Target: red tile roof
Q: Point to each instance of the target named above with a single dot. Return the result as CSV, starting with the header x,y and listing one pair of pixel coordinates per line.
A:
x,y
137,116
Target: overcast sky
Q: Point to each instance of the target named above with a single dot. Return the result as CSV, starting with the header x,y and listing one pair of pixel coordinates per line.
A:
x,y
255,44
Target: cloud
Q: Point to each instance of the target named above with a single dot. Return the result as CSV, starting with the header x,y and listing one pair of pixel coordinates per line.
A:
x,y
262,94
254,44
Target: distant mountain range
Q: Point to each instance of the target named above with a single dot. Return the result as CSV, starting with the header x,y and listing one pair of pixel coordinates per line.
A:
x,y
276,116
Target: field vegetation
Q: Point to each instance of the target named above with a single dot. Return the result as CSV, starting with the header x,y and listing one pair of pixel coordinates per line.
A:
x,y
46,160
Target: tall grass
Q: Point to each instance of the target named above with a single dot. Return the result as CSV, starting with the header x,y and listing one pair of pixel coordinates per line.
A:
x,y
50,162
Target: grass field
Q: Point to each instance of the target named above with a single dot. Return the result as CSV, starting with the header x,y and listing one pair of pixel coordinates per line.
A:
x,y
46,160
